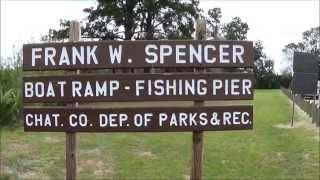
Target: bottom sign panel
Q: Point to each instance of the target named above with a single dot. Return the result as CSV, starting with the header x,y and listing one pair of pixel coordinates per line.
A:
x,y
138,119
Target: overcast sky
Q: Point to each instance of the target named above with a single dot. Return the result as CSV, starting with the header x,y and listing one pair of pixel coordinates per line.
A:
x,y
276,23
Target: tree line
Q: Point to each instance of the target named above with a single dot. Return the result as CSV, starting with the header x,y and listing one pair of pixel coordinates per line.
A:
x,y
167,19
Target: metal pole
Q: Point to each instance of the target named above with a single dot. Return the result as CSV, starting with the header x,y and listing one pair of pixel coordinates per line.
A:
x,y
292,109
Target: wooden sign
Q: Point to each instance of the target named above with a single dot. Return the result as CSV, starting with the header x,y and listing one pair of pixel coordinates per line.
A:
x,y
139,87
137,54
138,119
198,87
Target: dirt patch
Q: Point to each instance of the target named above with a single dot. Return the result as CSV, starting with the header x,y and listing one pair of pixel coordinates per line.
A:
x,y
93,152
51,140
7,170
32,175
28,175
284,126
274,158
147,154
87,163
306,156
18,146
306,124
186,177
14,174
99,167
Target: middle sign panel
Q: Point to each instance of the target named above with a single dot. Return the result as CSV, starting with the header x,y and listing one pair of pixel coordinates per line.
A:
x,y
139,87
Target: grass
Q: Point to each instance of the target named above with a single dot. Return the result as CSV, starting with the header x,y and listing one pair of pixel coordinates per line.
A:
x,y
267,152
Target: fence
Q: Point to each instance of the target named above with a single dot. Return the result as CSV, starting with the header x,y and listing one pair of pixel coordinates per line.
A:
x,y
308,106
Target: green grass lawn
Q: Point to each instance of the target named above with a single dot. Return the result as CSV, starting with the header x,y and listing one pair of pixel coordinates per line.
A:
x,y
267,152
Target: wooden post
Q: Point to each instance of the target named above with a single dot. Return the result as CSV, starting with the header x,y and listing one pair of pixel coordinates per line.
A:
x,y
71,140
197,136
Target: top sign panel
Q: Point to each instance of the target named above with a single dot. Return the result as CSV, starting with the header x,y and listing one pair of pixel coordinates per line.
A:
x,y
305,63
137,54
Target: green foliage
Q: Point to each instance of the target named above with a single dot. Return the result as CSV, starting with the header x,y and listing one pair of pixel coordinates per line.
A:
x,y
135,19
310,44
236,29
285,79
214,22
168,19
265,76
55,35
9,107
10,93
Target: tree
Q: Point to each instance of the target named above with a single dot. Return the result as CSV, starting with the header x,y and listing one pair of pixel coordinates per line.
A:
x,y
214,22
8,107
258,57
136,19
236,29
264,69
285,78
310,43
55,35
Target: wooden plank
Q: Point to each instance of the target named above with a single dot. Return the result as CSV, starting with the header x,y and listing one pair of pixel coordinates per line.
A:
x,y
165,119
137,87
137,54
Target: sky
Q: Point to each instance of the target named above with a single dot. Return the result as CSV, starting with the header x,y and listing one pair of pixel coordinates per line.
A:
x,y
275,23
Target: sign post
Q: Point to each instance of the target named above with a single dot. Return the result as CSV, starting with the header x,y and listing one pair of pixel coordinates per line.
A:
x,y
197,136
71,138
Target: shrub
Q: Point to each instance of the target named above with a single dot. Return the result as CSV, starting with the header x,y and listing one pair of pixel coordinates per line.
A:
x,y
9,107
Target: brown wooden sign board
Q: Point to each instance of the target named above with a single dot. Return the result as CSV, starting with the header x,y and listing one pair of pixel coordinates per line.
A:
x,y
137,54
139,87
218,118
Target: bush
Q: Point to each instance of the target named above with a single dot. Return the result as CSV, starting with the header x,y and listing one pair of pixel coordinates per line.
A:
x,y
9,107
285,80
10,93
